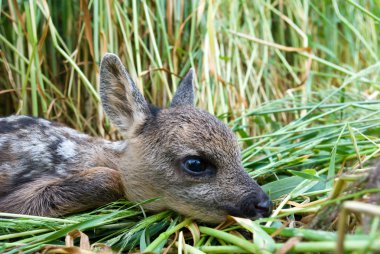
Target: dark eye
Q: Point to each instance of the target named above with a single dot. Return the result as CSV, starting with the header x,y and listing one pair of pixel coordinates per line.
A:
x,y
196,166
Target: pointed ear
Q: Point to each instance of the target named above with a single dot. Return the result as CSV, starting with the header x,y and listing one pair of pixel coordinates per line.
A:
x,y
123,103
184,96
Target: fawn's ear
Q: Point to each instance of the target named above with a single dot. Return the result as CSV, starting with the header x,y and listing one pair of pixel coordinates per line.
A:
x,y
184,96
123,103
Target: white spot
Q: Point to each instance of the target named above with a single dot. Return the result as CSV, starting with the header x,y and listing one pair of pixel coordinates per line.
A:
x,y
117,146
3,139
73,133
16,118
33,147
67,149
44,122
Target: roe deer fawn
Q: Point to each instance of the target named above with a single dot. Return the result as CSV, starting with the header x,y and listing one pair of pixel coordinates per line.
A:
x,y
184,156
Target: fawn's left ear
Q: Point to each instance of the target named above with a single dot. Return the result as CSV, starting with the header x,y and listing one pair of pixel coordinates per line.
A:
x,y
124,104
184,96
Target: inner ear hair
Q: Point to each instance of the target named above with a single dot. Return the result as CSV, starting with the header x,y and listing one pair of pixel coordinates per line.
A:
x,y
122,101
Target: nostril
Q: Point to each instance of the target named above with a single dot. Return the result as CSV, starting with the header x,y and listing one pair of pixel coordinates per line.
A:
x,y
253,207
264,207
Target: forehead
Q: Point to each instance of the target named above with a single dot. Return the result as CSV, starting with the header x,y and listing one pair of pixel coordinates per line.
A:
x,y
193,129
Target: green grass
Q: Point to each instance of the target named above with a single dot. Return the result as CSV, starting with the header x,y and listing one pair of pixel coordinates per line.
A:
x,y
297,81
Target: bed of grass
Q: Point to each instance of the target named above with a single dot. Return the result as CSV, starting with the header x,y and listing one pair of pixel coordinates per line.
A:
x,y
298,81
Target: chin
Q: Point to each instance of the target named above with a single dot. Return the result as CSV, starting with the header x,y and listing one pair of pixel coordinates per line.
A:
x,y
205,216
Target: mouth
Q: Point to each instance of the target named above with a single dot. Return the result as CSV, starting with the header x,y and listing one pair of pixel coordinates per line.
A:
x,y
236,212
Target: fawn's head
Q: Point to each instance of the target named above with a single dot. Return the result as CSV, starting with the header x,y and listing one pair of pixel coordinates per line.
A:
x,y
183,155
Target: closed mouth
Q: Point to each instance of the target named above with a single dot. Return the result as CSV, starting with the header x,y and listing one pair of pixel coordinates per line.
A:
x,y
233,211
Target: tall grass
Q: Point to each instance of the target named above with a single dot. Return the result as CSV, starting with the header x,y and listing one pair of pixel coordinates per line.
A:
x,y
298,81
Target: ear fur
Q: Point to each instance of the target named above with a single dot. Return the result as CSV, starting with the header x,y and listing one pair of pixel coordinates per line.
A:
x,y
123,103
184,96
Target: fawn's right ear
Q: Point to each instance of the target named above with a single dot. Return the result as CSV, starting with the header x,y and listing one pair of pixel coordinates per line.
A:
x,y
123,103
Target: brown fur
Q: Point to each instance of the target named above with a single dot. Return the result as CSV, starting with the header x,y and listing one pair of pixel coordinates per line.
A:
x,y
54,197
4,183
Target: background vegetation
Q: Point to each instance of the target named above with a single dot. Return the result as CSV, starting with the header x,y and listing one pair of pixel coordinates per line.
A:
x,y
298,81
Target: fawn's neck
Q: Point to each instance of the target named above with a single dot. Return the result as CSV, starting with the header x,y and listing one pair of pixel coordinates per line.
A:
x,y
109,153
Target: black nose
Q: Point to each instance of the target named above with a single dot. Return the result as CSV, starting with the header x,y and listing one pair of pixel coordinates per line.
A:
x,y
264,207
254,206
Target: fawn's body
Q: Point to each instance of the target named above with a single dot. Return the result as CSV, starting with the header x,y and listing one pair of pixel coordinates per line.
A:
x,y
39,157
183,155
